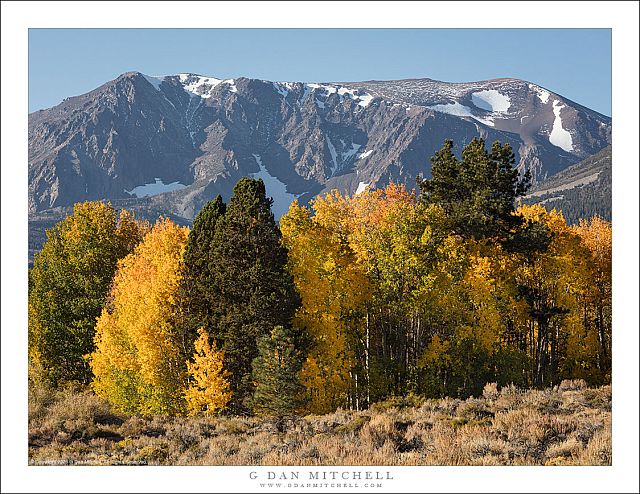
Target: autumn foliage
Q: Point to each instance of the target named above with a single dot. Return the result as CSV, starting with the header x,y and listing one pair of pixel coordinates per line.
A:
x,y
385,293
139,364
68,287
397,302
208,390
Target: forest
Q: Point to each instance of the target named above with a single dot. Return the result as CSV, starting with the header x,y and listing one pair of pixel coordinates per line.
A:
x,y
347,302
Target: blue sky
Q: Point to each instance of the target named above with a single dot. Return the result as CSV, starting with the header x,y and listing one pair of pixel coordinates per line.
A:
x,y
575,63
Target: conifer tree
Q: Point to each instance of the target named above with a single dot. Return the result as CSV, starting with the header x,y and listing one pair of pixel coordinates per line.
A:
x,y
197,288
237,284
276,372
477,192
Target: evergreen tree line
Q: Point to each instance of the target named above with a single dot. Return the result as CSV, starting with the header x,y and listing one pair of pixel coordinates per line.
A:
x,y
347,302
580,202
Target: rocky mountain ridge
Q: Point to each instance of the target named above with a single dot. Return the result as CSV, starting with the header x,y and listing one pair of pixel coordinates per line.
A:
x,y
184,138
166,145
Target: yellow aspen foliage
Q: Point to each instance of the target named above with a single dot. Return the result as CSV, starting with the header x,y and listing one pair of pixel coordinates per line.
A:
x,y
596,236
553,283
209,390
436,353
139,361
593,344
383,227
396,301
332,211
484,292
332,287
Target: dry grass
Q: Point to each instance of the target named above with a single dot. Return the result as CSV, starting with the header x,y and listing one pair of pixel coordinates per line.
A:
x,y
567,425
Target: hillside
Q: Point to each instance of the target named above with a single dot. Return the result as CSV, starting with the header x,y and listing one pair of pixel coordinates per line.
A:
x,y
581,191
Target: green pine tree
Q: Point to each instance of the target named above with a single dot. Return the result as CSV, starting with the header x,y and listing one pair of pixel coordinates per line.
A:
x,y
276,370
236,283
477,192
197,288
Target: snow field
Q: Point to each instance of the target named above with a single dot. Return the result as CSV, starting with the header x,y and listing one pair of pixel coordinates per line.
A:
x,y
154,188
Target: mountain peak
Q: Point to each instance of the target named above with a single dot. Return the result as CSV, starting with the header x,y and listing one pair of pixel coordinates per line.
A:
x,y
190,137
195,84
132,74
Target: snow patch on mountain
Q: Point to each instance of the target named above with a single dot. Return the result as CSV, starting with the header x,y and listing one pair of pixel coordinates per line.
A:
x,y
365,99
154,188
364,155
281,88
559,136
232,85
362,98
326,88
491,100
362,186
203,86
275,189
306,93
285,87
460,110
198,85
543,94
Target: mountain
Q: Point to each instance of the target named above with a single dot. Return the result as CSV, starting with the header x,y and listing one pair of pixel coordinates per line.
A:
x,y
581,191
167,145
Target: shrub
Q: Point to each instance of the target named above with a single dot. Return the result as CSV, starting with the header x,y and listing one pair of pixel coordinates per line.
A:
x,y
152,454
474,409
598,450
378,430
459,422
74,415
598,398
572,385
490,391
41,397
78,427
568,448
508,399
353,426
547,400
183,435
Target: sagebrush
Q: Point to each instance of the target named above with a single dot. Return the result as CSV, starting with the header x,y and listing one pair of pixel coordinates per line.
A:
x,y
566,425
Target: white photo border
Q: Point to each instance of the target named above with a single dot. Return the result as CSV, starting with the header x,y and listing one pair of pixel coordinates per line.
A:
x,y
18,17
